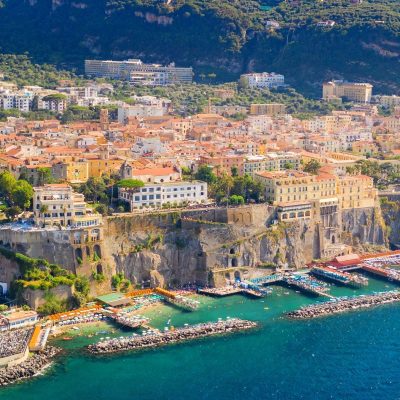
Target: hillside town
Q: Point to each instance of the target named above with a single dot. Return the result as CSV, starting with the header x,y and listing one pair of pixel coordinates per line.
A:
x,y
91,208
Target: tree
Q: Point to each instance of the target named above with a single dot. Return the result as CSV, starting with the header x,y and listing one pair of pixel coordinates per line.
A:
x,y
288,165
22,193
7,183
43,210
130,183
236,200
82,285
102,209
12,212
234,171
44,175
205,173
312,167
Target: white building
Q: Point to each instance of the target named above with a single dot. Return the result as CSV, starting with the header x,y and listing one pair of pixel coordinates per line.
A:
x,y
271,162
157,195
139,110
58,204
137,72
264,80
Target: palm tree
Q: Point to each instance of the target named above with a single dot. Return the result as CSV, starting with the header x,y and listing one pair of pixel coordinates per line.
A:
x,y
43,210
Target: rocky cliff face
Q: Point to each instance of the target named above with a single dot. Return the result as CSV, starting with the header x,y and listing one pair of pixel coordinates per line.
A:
x,y
179,248
186,250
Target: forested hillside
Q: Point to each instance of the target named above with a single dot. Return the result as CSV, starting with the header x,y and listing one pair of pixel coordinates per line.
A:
x,y
223,36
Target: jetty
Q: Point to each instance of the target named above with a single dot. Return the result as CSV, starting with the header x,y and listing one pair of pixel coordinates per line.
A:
x,y
334,275
157,339
345,304
232,290
129,321
178,300
387,273
307,285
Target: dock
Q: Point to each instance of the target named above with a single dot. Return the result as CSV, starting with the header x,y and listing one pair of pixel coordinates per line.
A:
x,y
132,322
39,338
180,301
308,285
388,273
337,276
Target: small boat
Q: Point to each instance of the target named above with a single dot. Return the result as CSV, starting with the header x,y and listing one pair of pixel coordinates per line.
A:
x,y
67,338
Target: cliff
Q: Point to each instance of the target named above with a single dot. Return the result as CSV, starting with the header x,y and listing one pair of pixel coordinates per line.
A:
x,y
199,246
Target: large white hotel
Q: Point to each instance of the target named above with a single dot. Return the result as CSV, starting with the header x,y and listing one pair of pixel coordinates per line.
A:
x,y
137,72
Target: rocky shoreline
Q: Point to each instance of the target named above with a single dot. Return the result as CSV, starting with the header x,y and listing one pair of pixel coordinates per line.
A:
x,y
175,336
29,368
343,305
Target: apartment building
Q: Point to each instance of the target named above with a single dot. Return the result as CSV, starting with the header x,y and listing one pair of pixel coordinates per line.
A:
x,y
263,80
271,162
137,72
58,204
223,163
356,191
159,194
357,92
150,175
139,110
271,109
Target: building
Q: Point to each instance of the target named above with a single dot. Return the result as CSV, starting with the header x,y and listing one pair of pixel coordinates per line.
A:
x,y
356,191
271,109
357,92
271,162
289,186
18,318
263,80
58,204
159,194
137,72
73,171
150,175
223,163
138,110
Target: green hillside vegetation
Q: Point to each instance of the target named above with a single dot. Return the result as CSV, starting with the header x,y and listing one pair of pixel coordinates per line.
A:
x,y
225,37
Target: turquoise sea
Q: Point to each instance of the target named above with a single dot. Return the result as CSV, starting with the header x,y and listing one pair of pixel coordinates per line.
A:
x,y
349,356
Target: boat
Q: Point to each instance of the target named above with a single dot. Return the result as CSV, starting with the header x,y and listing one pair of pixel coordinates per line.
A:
x,y
67,338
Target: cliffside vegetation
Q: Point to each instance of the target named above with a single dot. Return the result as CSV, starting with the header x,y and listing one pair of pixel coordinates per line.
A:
x,y
222,37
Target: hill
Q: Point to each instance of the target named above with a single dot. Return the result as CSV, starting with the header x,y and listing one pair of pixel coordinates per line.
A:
x,y
223,36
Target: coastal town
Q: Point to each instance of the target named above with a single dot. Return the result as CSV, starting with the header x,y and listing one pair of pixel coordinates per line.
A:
x,y
146,205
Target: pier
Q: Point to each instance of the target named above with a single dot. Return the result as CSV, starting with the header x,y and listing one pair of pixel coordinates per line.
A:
x,y
388,273
230,291
345,304
307,285
177,300
39,338
334,275
132,322
171,336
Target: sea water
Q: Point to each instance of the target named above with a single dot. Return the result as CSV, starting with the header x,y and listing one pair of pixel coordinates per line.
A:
x,y
355,355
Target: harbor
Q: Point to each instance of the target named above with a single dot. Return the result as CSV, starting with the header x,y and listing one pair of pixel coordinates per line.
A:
x,y
171,336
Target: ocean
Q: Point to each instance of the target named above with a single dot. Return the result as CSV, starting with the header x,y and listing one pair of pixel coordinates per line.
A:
x,y
349,356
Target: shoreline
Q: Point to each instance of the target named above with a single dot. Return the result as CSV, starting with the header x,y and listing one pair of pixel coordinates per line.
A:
x,y
34,366
170,337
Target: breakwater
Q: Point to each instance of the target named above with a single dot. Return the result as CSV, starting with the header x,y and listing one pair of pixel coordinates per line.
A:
x,y
172,336
343,305
29,368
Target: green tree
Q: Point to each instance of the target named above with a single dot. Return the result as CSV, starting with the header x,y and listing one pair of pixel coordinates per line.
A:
x,y
43,210
22,193
205,173
130,183
312,167
7,183
12,212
